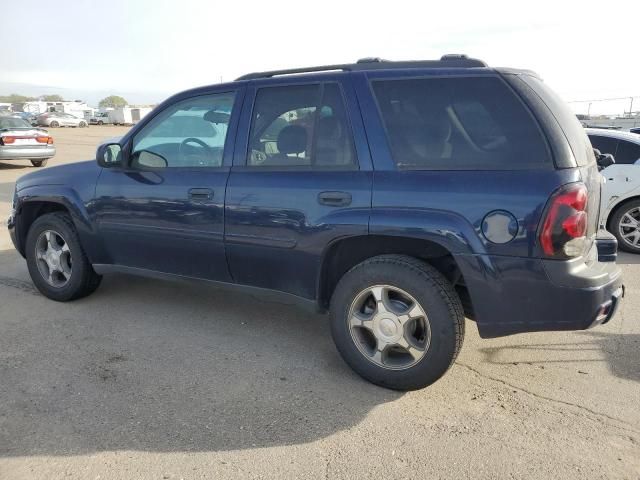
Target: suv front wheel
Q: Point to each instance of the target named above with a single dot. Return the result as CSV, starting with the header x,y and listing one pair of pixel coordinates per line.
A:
x,y
57,264
397,321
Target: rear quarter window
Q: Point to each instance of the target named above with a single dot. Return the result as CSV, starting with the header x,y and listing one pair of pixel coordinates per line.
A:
x,y
459,123
627,153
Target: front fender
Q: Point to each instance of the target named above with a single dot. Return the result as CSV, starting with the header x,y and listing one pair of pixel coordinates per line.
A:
x,y
61,195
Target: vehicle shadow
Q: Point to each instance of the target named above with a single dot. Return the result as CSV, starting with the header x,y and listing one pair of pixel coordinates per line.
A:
x,y
15,165
619,351
161,366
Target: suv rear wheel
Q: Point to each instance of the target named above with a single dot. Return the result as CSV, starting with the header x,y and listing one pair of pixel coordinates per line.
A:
x,y
625,225
397,322
57,264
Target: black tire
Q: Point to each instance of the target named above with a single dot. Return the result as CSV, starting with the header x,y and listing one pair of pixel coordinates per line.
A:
x,y
82,124
83,279
614,225
39,163
54,124
100,122
434,294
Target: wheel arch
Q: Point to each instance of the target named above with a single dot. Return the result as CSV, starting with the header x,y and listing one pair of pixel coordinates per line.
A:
x,y
33,203
343,254
617,206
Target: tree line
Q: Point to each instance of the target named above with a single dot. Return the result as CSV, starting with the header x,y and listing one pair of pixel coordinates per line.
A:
x,y
113,101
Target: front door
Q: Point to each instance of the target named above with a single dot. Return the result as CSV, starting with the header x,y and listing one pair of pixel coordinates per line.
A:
x,y
164,211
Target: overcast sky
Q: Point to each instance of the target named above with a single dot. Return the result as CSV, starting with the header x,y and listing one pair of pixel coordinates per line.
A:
x,y
148,49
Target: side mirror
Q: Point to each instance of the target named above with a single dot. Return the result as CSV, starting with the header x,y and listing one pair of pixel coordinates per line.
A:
x,y
144,159
109,155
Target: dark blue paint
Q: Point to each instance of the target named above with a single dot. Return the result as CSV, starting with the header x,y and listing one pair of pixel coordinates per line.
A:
x,y
267,228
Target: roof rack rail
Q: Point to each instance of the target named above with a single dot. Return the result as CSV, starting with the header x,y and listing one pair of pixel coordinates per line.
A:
x,y
376,63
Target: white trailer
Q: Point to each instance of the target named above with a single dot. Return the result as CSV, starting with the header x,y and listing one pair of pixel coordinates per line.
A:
x,y
128,115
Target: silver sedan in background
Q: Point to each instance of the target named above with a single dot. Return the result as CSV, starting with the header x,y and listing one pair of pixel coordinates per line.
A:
x,y
21,141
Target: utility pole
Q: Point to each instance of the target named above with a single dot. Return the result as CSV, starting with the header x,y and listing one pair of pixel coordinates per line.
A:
x,y
589,110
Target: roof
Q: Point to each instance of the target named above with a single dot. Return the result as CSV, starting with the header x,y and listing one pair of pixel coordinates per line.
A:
x,y
374,63
603,132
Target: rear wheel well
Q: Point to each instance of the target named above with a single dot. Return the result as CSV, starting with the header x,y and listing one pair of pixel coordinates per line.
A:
x,y
30,211
346,254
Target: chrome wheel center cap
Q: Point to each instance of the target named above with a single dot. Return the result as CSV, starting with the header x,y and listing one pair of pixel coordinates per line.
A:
x,y
389,328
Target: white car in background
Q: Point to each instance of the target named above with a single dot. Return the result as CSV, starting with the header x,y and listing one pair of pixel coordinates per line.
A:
x,y
620,204
61,119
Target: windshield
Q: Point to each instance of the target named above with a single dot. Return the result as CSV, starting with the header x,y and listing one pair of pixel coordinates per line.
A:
x,y
13,123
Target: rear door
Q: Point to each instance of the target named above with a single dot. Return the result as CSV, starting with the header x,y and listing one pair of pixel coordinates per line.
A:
x,y
301,180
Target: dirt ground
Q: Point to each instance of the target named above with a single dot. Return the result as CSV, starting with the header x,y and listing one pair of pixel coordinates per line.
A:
x,y
159,380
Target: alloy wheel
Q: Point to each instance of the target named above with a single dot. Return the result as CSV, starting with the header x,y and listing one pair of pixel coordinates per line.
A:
x,y
53,258
389,327
629,227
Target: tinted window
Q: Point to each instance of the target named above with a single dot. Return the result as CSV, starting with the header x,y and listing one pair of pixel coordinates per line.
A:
x,y
604,144
458,123
628,152
191,133
300,125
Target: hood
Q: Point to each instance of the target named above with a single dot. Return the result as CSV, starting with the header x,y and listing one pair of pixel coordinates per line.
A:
x,y
70,174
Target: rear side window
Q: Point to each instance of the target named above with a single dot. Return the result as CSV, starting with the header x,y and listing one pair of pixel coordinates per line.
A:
x,y
459,123
300,126
604,144
628,152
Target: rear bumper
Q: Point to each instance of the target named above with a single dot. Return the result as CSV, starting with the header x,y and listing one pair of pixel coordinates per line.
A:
x,y
22,152
516,295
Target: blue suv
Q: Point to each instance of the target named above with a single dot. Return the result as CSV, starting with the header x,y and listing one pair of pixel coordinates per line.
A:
x,y
398,196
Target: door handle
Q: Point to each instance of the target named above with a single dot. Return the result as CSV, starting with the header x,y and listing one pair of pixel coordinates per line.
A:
x,y
200,194
334,199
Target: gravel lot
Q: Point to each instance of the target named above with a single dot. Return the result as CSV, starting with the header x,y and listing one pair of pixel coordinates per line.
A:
x,y
151,379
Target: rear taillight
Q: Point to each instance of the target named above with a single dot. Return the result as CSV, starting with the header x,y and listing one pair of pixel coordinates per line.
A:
x,y
7,140
564,226
48,140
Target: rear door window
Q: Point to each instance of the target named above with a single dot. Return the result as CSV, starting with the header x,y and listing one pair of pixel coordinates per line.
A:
x,y
301,126
604,144
627,153
459,123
